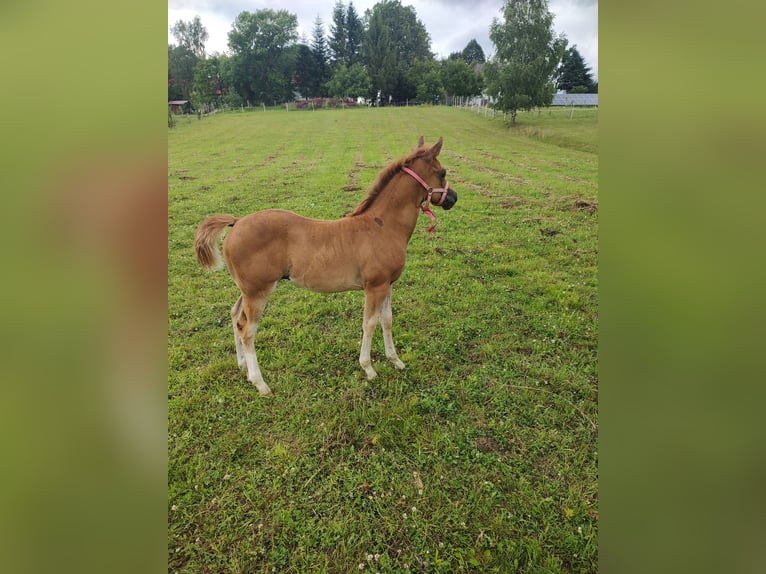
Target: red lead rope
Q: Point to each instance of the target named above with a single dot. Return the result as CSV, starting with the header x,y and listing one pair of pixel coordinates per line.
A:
x,y
431,216
425,206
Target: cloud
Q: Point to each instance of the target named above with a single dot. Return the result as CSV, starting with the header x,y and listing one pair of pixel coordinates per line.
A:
x,y
578,21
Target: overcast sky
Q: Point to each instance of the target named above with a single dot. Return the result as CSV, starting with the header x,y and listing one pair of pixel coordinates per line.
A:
x,y
451,24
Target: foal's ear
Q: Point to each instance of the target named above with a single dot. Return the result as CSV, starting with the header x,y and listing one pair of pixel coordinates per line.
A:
x,y
420,142
436,148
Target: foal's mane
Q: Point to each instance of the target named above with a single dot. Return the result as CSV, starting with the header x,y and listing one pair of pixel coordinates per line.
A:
x,y
384,178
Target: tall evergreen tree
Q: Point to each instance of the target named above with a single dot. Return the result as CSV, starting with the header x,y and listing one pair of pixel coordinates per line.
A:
x,y
520,76
472,53
305,72
321,53
574,74
354,36
338,40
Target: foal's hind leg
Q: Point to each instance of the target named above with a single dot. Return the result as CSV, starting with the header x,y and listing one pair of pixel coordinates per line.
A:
x,y
247,324
387,322
235,311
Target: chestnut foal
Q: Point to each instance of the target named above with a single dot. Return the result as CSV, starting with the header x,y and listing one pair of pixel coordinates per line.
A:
x,y
365,250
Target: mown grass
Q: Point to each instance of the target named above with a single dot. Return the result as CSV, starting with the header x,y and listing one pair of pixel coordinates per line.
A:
x,y
482,455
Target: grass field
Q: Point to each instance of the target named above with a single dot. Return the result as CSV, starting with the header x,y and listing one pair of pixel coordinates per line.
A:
x,y
482,455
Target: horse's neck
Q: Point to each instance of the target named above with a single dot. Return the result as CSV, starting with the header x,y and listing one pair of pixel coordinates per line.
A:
x,y
396,208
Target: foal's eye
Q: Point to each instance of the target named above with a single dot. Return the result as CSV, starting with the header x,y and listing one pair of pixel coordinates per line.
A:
x,y
443,173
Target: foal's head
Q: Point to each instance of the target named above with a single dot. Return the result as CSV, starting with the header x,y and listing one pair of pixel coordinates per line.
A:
x,y
423,165
428,171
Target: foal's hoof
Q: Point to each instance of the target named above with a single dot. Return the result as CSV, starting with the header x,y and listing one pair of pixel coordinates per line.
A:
x,y
371,374
263,389
396,361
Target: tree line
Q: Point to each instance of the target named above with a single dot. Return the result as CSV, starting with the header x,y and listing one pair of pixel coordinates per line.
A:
x,y
383,56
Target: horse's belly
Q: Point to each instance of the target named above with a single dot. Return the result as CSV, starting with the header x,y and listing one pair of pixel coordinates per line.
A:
x,y
331,281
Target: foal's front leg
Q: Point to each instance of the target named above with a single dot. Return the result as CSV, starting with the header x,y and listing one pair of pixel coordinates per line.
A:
x,y
373,301
377,307
386,322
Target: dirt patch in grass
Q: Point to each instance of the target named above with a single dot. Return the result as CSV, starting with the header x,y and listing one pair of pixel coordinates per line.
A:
x,y
492,156
590,206
353,175
505,176
487,444
510,202
570,203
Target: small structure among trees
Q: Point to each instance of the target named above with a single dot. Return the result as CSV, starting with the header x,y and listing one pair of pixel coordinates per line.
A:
x,y
179,106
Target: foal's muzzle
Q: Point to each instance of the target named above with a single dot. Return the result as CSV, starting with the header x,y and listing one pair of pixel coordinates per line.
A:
x,y
449,201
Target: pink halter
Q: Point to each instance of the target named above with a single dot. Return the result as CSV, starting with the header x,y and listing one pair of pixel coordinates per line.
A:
x,y
425,206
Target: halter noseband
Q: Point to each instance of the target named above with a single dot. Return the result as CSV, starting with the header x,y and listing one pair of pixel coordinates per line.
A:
x,y
425,206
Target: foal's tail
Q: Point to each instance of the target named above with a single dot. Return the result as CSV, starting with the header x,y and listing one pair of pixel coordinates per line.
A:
x,y
206,240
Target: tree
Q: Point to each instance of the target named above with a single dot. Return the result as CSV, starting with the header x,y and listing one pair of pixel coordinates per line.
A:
x,y
321,54
395,39
191,35
520,76
349,82
262,58
472,53
354,36
346,35
573,75
338,40
459,79
181,63
209,86
306,72
425,76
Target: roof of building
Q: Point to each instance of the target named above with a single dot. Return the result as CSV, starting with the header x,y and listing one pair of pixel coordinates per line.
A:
x,y
575,99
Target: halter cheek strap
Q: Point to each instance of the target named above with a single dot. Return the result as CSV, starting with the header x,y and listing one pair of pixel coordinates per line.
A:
x,y
425,206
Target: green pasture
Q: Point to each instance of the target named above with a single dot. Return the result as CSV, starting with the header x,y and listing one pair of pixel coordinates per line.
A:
x,y
482,455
